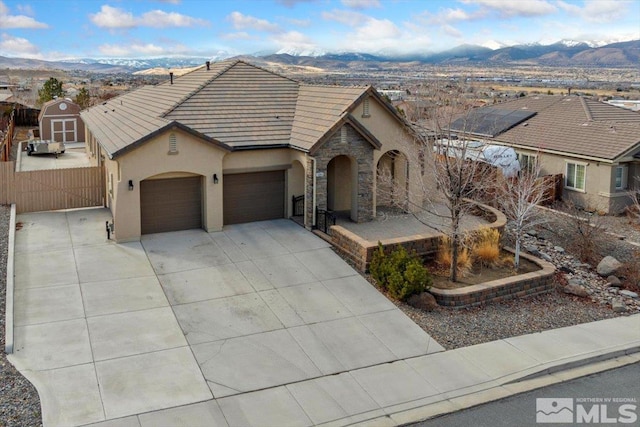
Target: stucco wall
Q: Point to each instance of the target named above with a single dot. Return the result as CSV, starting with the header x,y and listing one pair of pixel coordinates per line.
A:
x,y
195,157
393,136
599,193
151,159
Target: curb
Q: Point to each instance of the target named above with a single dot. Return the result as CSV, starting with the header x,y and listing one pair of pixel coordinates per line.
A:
x,y
8,336
434,407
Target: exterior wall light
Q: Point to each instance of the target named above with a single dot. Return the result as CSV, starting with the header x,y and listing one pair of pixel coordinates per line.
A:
x,y
215,178
130,185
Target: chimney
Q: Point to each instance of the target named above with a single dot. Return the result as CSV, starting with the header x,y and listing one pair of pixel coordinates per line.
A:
x,y
171,77
208,65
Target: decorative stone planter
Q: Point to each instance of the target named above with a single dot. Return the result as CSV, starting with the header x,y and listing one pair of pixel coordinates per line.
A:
x,y
535,282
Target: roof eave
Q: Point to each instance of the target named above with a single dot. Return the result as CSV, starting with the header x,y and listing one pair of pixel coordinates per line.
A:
x,y
168,126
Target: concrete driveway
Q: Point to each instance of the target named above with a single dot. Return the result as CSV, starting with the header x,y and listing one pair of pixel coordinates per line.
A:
x,y
108,330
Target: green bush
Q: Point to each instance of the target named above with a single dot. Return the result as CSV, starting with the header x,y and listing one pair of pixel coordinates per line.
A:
x,y
399,273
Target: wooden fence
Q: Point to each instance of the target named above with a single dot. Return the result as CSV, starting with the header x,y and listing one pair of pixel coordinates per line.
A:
x,y
5,143
52,189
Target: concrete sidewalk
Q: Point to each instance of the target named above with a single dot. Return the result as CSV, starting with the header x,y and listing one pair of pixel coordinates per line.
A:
x,y
258,325
421,387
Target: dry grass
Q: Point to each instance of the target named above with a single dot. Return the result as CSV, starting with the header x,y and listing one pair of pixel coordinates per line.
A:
x,y
486,247
443,257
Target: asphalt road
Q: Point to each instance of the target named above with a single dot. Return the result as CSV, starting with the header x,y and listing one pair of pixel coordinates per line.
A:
x,y
607,390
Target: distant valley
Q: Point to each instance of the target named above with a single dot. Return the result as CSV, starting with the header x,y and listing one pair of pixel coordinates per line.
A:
x,y
561,54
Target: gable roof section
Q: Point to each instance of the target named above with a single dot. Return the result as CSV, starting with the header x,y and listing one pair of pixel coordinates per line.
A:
x,y
574,126
243,106
318,110
235,104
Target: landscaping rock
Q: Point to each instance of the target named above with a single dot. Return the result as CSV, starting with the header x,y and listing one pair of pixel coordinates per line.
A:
x,y
423,301
574,288
558,249
608,266
532,233
546,257
532,250
613,281
618,306
566,269
628,293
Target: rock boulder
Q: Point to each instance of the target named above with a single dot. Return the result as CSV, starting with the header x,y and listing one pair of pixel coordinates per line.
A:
x,y
423,301
608,266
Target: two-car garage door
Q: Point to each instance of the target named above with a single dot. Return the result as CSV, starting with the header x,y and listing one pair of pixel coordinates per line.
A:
x,y
176,203
254,196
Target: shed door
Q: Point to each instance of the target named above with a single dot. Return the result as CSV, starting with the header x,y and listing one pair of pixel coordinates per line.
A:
x,y
253,196
170,204
64,130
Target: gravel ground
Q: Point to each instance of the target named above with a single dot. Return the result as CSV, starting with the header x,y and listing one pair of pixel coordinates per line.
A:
x,y
454,328
19,401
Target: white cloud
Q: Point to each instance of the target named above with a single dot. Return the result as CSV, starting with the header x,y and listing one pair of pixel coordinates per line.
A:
x,y
113,17
597,11
10,45
509,9
345,17
17,21
299,22
140,49
292,3
243,22
361,4
451,31
25,9
161,19
170,1
293,38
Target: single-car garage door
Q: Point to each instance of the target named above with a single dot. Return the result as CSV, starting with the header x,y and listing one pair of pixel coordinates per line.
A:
x,y
170,204
253,196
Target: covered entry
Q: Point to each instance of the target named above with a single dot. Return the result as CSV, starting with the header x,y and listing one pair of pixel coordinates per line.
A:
x,y
170,204
256,196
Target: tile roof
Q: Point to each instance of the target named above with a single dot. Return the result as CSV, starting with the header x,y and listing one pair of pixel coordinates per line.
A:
x,y
233,103
574,125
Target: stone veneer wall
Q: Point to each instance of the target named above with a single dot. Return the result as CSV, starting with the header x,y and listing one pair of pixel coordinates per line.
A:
x,y
359,251
359,150
536,282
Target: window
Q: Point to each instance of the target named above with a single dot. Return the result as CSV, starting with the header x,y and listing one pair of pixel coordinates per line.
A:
x,y
365,108
527,162
576,174
173,144
621,177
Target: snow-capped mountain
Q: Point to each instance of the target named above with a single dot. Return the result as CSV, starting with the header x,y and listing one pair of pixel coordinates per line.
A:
x,y
159,62
311,51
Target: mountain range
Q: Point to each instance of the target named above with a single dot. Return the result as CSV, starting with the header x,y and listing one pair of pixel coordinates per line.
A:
x,y
561,54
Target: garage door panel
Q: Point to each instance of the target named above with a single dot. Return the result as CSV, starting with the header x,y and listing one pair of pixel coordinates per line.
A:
x,y
170,204
253,197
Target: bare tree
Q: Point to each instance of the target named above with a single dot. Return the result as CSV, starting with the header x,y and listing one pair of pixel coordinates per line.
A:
x,y
518,199
444,188
634,195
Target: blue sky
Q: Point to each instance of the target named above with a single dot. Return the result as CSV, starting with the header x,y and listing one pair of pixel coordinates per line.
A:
x,y
59,29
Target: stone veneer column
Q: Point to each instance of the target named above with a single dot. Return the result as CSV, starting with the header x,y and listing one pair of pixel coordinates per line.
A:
x,y
355,147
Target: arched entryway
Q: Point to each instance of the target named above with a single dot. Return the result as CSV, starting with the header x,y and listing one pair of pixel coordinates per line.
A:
x,y
392,181
342,187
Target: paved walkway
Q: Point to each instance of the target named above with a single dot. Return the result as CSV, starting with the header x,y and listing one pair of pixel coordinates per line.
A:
x,y
390,224
257,325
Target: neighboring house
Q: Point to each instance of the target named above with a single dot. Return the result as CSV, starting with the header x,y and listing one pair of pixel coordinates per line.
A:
x,y
230,143
594,145
60,121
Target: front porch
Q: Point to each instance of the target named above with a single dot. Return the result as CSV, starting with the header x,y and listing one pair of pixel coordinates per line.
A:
x,y
421,232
